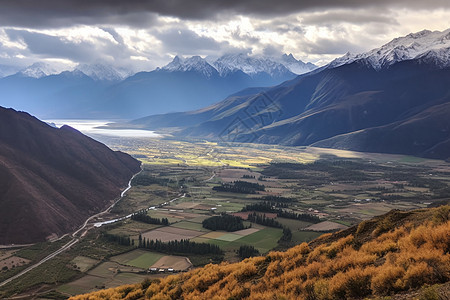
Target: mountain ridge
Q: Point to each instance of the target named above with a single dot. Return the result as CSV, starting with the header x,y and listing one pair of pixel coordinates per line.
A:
x,y
52,179
336,104
100,92
426,44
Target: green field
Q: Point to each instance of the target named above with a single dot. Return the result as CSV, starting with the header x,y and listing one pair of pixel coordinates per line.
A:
x,y
229,237
145,260
199,219
190,225
125,278
299,237
84,263
132,228
264,240
201,240
138,258
85,284
106,269
294,224
104,276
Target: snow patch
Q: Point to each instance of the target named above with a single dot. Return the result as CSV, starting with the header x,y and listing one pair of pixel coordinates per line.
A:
x,y
429,46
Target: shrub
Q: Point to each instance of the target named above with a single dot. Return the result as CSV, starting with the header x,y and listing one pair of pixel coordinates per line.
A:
x,y
385,281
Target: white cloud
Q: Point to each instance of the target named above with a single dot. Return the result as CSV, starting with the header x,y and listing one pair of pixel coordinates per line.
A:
x,y
316,35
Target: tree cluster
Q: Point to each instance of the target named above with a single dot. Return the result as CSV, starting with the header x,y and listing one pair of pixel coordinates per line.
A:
x,y
144,218
263,220
223,222
246,251
180,247
276,207
297,216
269,207
118,239
146,180
286,237
242,187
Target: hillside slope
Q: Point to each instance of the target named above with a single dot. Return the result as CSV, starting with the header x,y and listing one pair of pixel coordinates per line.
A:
x,y
344,100
391,103
396,252
52,179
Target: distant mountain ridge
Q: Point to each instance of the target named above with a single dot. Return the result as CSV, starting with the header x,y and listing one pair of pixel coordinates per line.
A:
x,y
102,92
379,101
426,46
275,67
101,72
224,64
53,179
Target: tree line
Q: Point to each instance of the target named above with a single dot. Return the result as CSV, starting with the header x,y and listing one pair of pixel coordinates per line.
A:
x,y
246,251
276,207
242,187
118,239
146,180
261,219
265,206
223,222
142,216
179,247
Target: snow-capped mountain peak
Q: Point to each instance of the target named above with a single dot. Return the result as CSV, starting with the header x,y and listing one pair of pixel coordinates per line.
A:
x,y
275,66
296,66
39,69
100,72
249,65
194,63
433,46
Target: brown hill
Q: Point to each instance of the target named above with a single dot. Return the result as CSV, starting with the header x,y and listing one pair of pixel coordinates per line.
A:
x,y
395,254
52,179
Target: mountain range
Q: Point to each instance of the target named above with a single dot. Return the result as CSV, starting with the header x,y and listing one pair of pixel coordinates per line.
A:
x,y
101,91
53,179
393,99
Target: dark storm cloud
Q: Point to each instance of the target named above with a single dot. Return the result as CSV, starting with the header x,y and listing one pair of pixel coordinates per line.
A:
x,y
51,46
348,17
62,13
282,26
176,39
48,46
116,36
272,51
238,35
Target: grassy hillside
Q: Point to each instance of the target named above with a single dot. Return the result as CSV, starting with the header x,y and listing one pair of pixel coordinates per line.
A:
x,y
394,253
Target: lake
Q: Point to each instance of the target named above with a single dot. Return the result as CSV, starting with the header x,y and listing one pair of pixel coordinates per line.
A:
x,y
90,128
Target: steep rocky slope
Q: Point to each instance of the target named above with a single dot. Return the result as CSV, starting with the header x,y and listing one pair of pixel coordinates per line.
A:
x,y
52,179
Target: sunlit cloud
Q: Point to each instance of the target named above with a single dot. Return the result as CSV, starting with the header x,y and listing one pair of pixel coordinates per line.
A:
x,y
144,35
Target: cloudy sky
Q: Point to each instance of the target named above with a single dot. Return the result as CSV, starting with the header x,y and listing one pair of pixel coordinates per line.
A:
x,y
142,35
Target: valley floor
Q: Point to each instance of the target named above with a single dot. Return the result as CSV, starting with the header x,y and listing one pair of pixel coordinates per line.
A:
x,y
180,182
